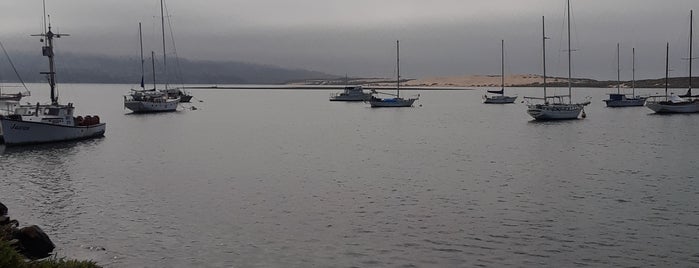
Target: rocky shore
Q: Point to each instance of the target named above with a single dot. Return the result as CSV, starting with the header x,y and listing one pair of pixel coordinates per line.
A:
x,y
29,246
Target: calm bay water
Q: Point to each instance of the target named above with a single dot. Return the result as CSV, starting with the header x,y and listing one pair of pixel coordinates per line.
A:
x,y
282,178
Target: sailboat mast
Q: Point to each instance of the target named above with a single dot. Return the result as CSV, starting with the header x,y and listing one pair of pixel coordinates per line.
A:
x,y
152,61
502,67
691,22
397,69
633,71
140,40
570,97
543,34
618,71
667,66
162,27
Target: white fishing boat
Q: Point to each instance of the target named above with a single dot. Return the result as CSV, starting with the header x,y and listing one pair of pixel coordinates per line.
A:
x,y
556,107
686,103
501,98
619,99
351,93
52,122
149,100
396,100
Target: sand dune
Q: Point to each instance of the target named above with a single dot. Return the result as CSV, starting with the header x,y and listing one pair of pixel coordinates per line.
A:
x,y
480,80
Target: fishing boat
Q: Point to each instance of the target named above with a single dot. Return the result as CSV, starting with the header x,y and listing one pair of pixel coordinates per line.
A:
x,y
149,100
52,122
555,107
396,100
686,103
619,99
501,98
351,93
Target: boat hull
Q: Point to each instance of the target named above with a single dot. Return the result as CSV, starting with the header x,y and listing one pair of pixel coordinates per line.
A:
x,y
674,108
185,98
392,103
499,100
555,112
350,98
16,132
151,107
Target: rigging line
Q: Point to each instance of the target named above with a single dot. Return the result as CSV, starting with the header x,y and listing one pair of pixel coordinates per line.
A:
x,y
14,68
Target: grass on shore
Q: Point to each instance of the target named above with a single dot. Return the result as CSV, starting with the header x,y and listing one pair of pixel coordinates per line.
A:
x,y
9,257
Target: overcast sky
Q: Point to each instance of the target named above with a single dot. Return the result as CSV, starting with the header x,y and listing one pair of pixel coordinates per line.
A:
x,y
357,37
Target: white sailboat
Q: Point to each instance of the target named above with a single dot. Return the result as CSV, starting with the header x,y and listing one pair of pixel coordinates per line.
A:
x,y
686,103
12,97
624,100
500,99
52,122
555,107
149,100
396,101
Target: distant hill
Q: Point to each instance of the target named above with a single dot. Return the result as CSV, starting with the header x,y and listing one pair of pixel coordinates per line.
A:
x,y
74,68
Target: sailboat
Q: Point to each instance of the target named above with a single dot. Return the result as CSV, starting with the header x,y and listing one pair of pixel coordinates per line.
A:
x,y
500,99
10,97
397,101
686,103
172,93
624,100
557,108
149,100
52,122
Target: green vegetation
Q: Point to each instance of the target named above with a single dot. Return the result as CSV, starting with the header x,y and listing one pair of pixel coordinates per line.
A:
x,y
10,258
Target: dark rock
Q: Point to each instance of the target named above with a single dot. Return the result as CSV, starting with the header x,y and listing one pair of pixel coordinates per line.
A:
x,y
4,220
3,209
35,243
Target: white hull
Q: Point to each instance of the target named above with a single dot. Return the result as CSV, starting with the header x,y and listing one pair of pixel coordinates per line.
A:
x,y
392,103
554,111
668,107
500,99
25,132
152,107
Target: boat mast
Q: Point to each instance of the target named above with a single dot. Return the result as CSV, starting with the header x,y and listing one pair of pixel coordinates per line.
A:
x,y
691,22
152,59
140,40
502,67
570,97
543,34
633,71
397,69
667,66
162,26
47,50
618,68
